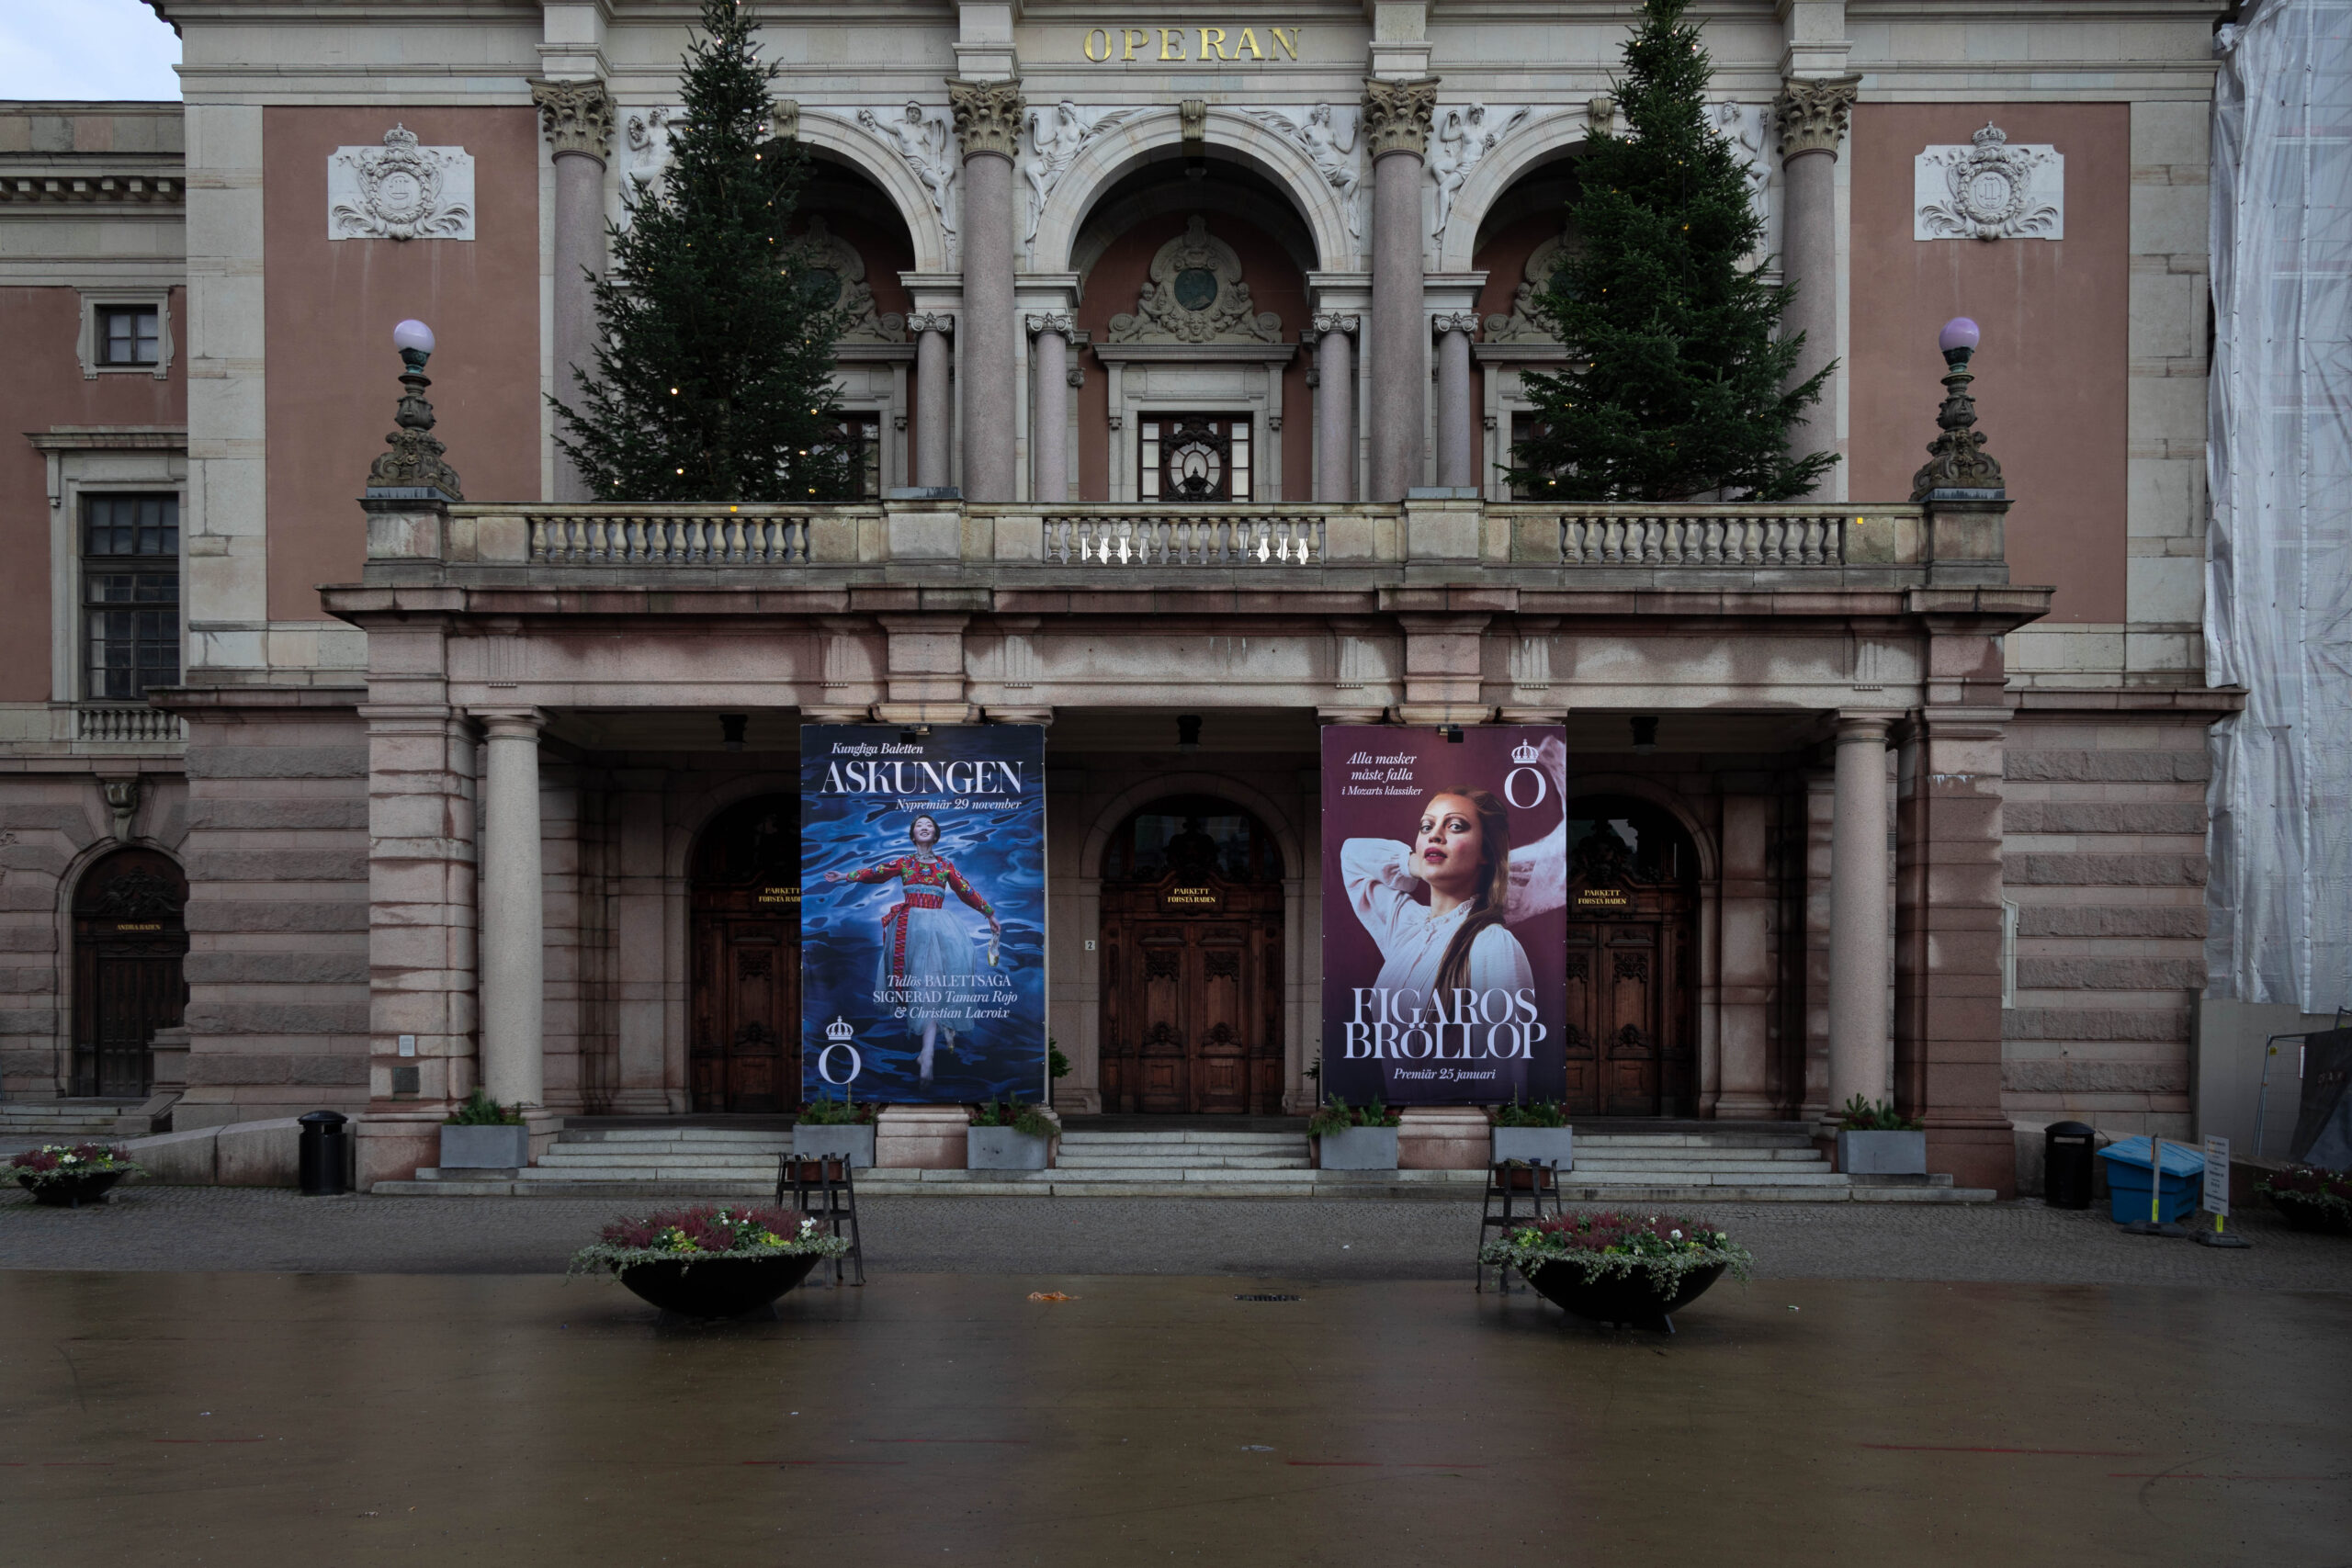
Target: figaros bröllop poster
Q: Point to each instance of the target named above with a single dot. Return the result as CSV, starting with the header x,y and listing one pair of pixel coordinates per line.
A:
x,y
1444,930
922,912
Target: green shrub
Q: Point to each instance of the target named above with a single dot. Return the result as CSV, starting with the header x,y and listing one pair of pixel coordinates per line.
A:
x,y
1536,1113
481,1110
1860,1116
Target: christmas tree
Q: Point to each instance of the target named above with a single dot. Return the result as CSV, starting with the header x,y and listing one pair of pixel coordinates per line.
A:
x,y
716,368
1677,388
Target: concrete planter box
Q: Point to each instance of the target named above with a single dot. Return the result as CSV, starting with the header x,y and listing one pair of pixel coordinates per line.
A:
x,y
1004,1149
485,1148
851,1141
1882,1154
1358,1148
1554,1146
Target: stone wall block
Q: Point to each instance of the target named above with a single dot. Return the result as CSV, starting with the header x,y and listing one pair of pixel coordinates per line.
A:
x,y
2110,767
2177,920
2158,1025
2105,871
276,968
206,762
2111,974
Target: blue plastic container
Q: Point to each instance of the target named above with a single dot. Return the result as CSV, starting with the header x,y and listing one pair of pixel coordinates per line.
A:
x,y
2127,1180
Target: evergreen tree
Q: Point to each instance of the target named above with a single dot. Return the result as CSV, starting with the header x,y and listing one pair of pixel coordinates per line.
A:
x,y
716,368
1677,388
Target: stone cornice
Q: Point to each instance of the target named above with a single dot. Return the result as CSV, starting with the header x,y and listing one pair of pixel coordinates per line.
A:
x,y
1396,116
988,116
575,117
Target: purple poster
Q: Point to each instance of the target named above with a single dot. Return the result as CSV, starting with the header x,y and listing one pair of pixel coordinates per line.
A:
x,y
1444,930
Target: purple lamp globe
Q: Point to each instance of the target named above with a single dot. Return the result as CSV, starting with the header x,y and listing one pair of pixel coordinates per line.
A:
x,y
414,340
1958,340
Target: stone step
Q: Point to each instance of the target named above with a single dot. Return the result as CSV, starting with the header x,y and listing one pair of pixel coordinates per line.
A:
x,y
1717,1167
713,1135
1087,1158
1585,1151
1693,1141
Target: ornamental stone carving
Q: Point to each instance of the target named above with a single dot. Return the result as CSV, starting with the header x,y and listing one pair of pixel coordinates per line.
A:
x,y
575,117
1956,458
1445,321
1058,322
1813,112
1523,325
413,468
1327,134
400,191
1466,133
833,263
923,139
939,322
988,116
1396,116
1994,189
1058,133
1195,295
1336,321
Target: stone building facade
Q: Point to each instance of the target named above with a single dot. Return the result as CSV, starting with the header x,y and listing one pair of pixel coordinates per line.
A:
x,y
1187,355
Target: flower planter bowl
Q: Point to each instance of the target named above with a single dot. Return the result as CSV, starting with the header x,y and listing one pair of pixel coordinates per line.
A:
x,y
851,1141
1004,1149
718,1287
1358,1148
2305,1213
71,1191
1553,1147
1634,1299
485,1147
1882,1154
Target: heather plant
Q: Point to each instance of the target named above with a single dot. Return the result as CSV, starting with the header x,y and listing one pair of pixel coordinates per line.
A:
x,y
1611,1244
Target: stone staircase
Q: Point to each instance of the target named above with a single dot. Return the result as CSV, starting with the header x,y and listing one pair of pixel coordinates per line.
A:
x,y
1732,1165
27,1124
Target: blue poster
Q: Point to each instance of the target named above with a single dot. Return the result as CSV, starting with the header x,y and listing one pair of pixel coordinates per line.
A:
x,y
922,912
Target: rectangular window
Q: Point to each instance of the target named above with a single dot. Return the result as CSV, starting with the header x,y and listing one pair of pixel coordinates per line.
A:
x,y
1524,427
862,433
1193,457
130,594
129,334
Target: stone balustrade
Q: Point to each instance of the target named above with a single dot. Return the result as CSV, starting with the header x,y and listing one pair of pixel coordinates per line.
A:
x,y
121,723
1152,536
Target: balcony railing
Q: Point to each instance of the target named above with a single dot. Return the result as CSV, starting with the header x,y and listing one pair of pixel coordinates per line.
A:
x,y
120,723
1151,536
695,535
1663,537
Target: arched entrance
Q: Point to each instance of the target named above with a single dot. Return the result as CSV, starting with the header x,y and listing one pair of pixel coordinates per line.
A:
x,y
1632,1037
130,938
743,1054
1192,960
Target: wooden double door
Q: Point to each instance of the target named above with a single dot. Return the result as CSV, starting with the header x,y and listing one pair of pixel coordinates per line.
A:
x,y
1632,1035
744,1048
130,942
1192,971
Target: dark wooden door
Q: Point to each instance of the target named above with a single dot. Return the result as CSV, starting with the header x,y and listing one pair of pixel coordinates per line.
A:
x,y
744,1045
130,938
1631,1034
1191,969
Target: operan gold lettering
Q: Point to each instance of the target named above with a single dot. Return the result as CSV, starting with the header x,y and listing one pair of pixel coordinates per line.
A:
x,y
1089,46
1135,37
1215,43
1172,36
1249,40
1212,43
1290,43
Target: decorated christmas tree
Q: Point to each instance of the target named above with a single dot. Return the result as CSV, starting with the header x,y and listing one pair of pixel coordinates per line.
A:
x,y
1676,382
715,373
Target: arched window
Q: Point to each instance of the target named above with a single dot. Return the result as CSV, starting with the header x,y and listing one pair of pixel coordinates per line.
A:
x,y
130,937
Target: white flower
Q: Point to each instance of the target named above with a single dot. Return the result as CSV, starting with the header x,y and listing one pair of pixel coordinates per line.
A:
x,y
1674,1236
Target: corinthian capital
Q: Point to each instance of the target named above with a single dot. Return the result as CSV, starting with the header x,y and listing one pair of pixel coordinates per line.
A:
x,y
1396,116
577,116
1812,113
988,116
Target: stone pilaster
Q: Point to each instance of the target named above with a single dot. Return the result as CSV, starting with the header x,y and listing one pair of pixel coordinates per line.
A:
x,y
1456,466
577,118
988,128
1049,418
514,958
1860,1062
1395,137
1812,115
934,400
1333,333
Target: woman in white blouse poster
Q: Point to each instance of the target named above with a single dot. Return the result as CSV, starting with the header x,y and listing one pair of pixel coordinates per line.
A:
x,y
1449,856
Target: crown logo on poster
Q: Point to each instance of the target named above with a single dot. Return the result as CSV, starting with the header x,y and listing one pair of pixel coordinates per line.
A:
x,y
839,1030
1524,755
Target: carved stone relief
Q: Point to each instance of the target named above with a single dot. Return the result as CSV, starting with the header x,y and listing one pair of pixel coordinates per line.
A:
x,y
1058,133
1747,129
1195,294
1326,133
924,139
1463,134
832,257
1994,189
1523,325
400,191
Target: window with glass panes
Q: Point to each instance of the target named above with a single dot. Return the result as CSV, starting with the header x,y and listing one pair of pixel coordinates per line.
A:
x,y
131,593
1524,427
1187,457
862,433
129,334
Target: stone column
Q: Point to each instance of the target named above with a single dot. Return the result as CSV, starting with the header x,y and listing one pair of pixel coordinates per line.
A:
x,y
934,400
1049,414
1860,1059
577,118
987,126
1744,962
513,940
1335,406
1812,115
1455,466
1397,138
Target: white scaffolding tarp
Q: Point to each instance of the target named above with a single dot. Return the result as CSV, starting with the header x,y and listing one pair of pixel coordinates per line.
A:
x,y
2278,555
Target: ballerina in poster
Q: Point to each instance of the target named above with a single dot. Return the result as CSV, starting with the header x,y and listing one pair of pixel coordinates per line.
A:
x,y
926,949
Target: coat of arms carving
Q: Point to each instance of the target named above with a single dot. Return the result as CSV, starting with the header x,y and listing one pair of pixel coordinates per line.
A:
x,y
1994,189
400,191
1195,295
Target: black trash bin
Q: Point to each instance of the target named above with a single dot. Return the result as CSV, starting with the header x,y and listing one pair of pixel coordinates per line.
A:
x,y
325,1154
2066,1150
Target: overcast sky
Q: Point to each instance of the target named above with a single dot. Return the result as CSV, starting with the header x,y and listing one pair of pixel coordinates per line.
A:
x,y
86,48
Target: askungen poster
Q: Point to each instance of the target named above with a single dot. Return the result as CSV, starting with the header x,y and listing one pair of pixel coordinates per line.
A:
x,y
1444,919
922,912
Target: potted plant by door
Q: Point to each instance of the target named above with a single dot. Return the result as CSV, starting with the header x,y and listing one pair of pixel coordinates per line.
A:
x,y
710,1262
67,1176
1609,1267
1007,1135
482,1134
836,1129
1537,1131
1354,1138
1878,1140
2310,1198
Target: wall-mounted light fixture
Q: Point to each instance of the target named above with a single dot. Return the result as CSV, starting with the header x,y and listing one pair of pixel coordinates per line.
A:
x,y
1449,733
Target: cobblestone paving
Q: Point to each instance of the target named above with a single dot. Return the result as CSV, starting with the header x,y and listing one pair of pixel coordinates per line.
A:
x,y
246,1228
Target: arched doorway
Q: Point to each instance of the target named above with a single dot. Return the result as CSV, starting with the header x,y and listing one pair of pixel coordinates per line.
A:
x,y
1632,1035
1192,960
743,1054
130,937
